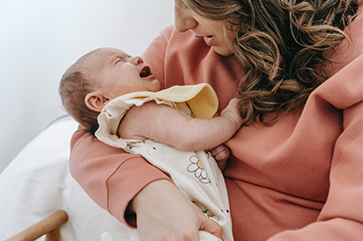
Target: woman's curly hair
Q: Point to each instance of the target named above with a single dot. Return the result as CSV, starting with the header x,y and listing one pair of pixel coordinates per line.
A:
x,y
282,45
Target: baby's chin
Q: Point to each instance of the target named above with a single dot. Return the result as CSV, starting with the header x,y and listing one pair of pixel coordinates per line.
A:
x,y
157,85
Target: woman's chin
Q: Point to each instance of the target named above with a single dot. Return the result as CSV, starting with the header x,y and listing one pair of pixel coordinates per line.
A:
x,y
223,51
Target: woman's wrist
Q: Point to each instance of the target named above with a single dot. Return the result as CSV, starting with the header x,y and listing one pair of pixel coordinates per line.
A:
x,y
147,193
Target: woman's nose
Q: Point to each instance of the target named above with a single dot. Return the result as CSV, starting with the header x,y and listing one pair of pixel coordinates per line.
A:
x,y
183,19
136,60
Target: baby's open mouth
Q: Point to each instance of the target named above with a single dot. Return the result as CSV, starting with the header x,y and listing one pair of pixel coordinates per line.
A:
x,y
145,72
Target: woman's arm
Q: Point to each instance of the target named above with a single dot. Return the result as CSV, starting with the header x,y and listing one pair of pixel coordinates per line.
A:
x,y
342,215
110,176
167,125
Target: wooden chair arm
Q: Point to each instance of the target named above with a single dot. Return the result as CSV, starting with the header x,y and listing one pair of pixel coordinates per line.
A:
x,y
49,226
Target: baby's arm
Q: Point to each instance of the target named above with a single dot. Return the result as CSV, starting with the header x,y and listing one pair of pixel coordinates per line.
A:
x,y
167,125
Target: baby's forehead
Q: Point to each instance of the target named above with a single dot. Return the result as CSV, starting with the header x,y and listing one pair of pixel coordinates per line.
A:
x,y
94,55
90,59
102,54
111,51
95,61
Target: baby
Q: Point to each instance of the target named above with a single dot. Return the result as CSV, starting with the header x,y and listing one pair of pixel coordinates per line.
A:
x,y
106,89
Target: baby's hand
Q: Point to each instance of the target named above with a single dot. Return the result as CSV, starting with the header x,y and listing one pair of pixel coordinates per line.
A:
x,y
232,112
221,153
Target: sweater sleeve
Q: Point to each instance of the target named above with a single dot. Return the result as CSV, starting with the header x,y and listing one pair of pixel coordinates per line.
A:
x,y
342,215
110,176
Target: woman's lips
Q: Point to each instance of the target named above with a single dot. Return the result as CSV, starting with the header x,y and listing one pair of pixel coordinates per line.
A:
x,y
209,40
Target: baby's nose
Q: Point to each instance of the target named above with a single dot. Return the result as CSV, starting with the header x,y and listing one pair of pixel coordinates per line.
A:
x,y
136,60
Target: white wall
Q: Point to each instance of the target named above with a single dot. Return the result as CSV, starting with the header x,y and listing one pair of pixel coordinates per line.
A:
x,y
39,39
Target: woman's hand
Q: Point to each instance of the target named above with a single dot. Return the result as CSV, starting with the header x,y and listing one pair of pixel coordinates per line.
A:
x,y
163,212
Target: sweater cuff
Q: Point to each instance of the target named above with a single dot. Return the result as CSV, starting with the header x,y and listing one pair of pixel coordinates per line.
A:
x,y
126,182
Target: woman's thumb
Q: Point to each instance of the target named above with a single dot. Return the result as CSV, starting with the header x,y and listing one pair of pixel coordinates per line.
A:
x,y
210,226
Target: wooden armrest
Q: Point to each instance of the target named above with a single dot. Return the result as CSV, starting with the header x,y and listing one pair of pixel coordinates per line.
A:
x,y
49,226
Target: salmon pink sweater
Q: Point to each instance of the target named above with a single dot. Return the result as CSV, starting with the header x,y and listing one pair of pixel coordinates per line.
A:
x,y
299,179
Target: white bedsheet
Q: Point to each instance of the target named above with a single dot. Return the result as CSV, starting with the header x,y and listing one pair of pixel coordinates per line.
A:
x,y
37,183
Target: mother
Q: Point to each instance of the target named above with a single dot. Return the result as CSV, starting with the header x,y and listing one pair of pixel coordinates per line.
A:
x,y
296,167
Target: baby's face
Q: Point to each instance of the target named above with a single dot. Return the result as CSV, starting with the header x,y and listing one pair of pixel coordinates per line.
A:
x,y
118,73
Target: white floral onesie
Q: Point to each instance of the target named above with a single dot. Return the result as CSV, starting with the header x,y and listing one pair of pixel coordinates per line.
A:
x,y
194,172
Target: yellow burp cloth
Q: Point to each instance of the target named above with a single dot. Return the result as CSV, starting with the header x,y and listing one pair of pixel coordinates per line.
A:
x,y
201,98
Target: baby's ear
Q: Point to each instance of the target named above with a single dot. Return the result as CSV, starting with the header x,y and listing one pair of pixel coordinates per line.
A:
x,y
96,101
